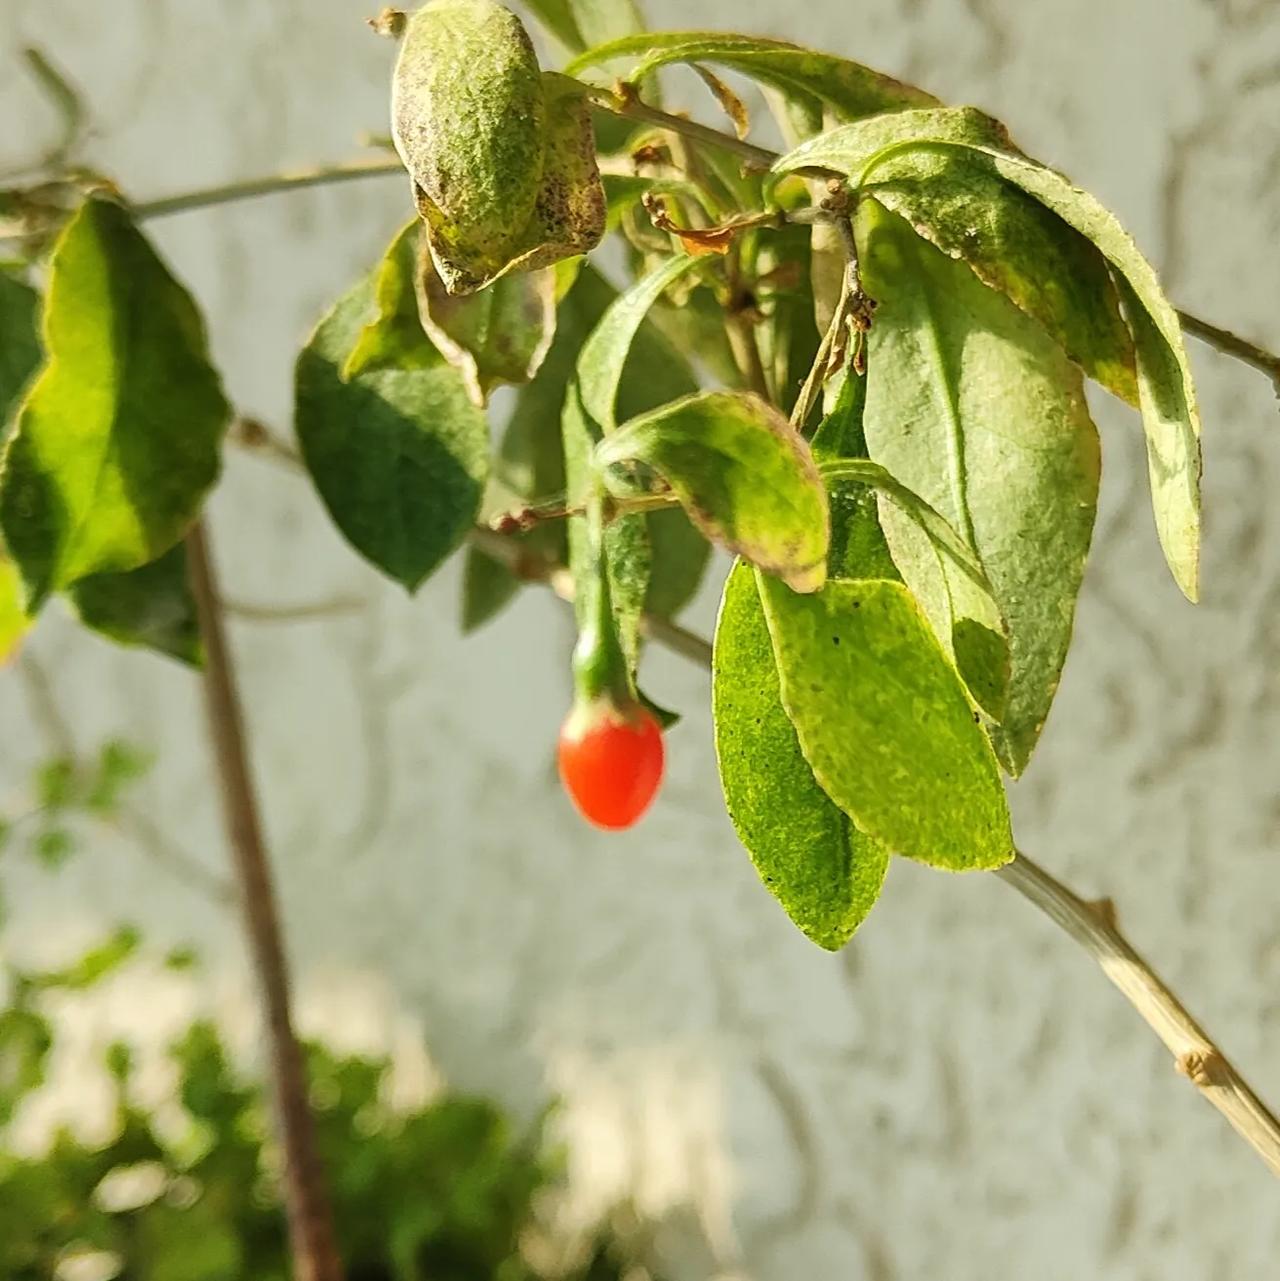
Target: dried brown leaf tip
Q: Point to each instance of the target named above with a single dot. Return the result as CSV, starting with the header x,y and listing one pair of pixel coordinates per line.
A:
x,y
696,240
390,22
730,103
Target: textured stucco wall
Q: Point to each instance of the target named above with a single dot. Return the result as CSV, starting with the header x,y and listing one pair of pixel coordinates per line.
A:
x,y
957,1095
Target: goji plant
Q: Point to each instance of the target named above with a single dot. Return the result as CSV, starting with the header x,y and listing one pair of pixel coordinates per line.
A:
x,y
858,365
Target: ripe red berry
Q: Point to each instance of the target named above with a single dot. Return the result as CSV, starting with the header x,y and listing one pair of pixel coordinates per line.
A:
x,y
611,762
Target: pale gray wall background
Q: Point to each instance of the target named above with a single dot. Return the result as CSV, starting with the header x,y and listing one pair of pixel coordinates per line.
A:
x,y
959,1094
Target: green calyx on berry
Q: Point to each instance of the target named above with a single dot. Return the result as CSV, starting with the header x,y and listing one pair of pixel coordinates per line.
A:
x,y
611,761
611,753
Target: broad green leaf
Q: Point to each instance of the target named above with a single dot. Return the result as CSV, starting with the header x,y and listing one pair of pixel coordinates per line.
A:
x,y
826,874
501,155
976,636
1017,245
150,606
975,409
393,337
1165,387
500,334
577,24
19,342
814,80
884,722
117,441
399,456
744,475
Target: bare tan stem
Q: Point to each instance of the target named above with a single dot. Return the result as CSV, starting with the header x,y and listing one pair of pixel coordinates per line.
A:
x,y
307,1206
1194,1054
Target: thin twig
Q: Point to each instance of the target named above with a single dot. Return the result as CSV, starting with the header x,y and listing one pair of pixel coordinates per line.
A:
x,y
308,1209
1233,345
1194,1053
626,103
307,612
247,188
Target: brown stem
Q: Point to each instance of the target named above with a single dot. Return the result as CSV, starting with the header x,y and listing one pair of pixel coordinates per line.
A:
x,y
1091,925
311,1233
1194,1053
1233,345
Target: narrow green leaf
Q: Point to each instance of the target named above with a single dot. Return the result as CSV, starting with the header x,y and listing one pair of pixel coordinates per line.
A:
x,y
974,408
117,440
500,334
976,637
577,24
399,456
96,964
826,874
487,587
19,343
814,80
743,474
590,411
604,354
787,334
1165,387
884,722
150,606
393,337
14,622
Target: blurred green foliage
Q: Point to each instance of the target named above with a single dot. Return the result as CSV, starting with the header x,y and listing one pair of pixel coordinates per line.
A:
x,y
448,1190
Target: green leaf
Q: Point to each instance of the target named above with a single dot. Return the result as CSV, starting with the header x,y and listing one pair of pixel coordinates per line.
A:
x,y
787,334
813,80
976,638
1165,387
53,847
590,411
679,557
580,23
501,156
974,408
487,587
393,338
743,474
55,783
96,964
14,622
884,722
604,355
25,1042
117,441
1015,244
400,456
826,874
151,606
119,764
500,334
19,342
